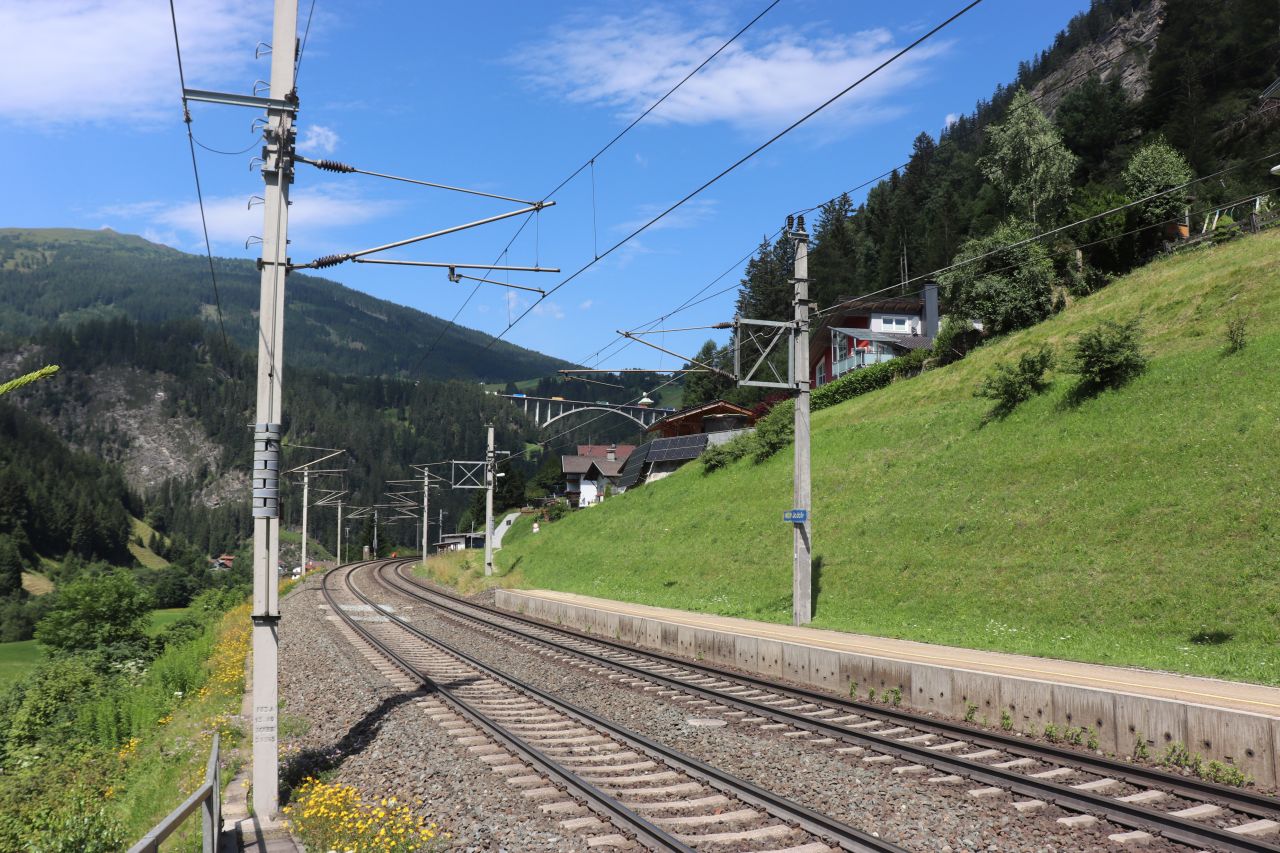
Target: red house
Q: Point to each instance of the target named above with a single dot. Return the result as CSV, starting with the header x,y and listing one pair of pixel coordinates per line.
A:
x,y
868,330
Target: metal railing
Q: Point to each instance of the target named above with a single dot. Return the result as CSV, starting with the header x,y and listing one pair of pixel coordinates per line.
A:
x,y
208,795
857,361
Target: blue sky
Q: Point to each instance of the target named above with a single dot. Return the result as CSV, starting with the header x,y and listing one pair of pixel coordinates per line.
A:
x,y
508,97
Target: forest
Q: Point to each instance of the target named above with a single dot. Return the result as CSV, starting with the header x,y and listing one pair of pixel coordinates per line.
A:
x,y
1011,169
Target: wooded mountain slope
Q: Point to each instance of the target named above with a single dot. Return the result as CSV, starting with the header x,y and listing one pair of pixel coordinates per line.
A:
x,y
66,275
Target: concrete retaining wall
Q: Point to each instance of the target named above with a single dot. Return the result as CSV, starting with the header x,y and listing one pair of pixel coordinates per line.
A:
x,y
1249,741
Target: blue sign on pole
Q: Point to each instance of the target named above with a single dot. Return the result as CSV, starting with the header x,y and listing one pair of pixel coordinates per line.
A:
x,y
796,516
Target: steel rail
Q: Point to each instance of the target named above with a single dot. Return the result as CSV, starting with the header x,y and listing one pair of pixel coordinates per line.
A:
x,y
1126,814
822,826
603,804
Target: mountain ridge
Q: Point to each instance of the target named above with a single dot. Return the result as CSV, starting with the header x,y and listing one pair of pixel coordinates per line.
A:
x,y
65,275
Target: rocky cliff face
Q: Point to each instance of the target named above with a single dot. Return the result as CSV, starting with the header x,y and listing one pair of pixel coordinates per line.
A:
x,y
120,414
1124,51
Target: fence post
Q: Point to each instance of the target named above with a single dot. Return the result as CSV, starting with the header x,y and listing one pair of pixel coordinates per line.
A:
x,y
212,807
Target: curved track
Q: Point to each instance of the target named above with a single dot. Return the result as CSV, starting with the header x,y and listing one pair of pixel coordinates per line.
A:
x,y
1197,813
655,795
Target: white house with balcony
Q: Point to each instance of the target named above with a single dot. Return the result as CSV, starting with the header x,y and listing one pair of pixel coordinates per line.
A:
x,y
865,331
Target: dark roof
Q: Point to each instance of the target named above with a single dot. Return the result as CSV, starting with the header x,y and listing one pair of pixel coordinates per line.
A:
x,y
607,467
913,341
882,305
714,407
600,451
575,464
634,466
680,448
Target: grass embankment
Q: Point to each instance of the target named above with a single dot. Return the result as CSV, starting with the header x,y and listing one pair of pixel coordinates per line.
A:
x,y
91,761
1137,527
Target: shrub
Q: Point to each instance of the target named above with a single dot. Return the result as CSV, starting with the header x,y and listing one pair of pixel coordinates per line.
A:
x,y
1011,384
555,511
955,339
1237,332
1004,279
720,455
1109,356
775,430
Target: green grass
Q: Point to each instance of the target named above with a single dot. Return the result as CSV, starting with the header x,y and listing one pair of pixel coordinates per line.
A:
x,y
16,660
1138,527
161,619
144,555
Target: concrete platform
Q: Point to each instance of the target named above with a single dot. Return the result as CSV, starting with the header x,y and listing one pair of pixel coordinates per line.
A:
x,y
1220,719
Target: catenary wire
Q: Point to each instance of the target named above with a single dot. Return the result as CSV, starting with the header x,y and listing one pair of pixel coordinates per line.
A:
x,y
195,170
306,33
519,230
749,155
948,140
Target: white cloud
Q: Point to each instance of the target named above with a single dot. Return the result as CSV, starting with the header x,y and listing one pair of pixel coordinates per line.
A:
x,y
549,309
318,139
586,305
688,215
88,61
626,63
231,221
951,119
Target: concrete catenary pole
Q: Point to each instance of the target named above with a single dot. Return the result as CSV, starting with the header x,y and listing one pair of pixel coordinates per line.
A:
x,y
277,173
489,477
337,555
802,564
426,511
306,499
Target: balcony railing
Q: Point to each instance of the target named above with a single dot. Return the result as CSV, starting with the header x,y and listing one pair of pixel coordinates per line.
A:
x,y
858,360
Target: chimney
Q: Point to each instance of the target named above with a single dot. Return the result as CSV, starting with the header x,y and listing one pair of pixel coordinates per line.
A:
x,y
612,453
931,309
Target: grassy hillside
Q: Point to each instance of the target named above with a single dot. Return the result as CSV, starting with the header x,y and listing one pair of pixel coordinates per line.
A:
x,y
1137,527
50,275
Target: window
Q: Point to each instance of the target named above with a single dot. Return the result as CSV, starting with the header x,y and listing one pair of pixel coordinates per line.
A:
x,y
822,373
842,346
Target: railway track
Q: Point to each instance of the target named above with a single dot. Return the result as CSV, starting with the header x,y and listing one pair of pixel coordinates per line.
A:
x,y
1144,801
566,758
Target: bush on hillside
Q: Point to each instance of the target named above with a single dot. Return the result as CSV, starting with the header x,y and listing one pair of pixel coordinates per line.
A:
x,y
777,429
108,614
1108,356
1011,384
720,455
1004,279
955,339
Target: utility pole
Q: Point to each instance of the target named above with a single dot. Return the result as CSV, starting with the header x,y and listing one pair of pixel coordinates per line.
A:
x,y
802,561
306,498
337,555
277,173
490,475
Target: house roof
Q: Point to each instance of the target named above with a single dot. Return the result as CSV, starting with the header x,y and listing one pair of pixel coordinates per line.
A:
x,y
622,451
702,410
584,464
634,466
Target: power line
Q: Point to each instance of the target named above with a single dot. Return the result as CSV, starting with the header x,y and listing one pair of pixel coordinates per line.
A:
x,y
948,140
589,162
592,159
195,170
896,56
306,32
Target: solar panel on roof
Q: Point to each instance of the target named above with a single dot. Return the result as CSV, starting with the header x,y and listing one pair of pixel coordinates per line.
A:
x,y
633,467
682,447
